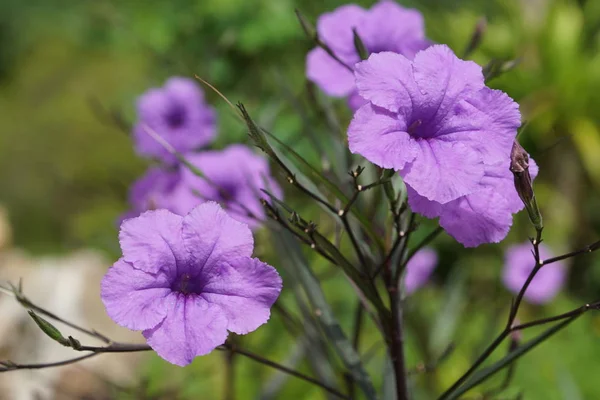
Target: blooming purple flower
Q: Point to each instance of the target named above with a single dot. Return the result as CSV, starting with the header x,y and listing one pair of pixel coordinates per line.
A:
x,y
384,27
178,113
419,269
548,281
186,281
235,176
447,134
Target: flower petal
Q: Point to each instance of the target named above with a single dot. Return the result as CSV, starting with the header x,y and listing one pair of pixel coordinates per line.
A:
x,y
482,217
193,327
133,298
391,27
331,76
421,205
245,288
443,171
152,241
377,135
386,80
419,269
488,121
442,78
210,235
548,281
335,28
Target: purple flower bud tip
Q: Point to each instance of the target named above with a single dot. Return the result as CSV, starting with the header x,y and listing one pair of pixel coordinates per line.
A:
x,y
185,281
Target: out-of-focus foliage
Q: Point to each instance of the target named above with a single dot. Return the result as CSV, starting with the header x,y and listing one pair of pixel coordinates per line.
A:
x,y
65,166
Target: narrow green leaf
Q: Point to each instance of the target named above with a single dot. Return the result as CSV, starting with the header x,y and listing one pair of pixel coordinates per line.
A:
x,y
487,372
49,329
360,47
351,359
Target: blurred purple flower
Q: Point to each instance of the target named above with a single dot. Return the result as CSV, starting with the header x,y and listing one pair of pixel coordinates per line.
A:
x,y
235,176
178,113
447,134
385,27
419,269
186,281
548,281
161,188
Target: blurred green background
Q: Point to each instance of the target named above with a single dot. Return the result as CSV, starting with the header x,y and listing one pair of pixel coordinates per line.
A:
x,y
65,167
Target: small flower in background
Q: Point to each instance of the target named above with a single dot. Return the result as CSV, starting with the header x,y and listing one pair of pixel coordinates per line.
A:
x,y
448,135
419,269
160,188
178,113
548,281
186,281
385,27
235,176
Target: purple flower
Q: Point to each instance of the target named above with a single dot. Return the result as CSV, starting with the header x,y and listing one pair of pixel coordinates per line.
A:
x,y
186,281
419,269
235,176
548,281
177,112
161,188
385,27
447,134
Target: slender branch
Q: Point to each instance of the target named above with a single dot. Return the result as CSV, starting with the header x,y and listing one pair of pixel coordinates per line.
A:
x,y
282,368
7,366
358,322
511,318
428,239
587,249
17,293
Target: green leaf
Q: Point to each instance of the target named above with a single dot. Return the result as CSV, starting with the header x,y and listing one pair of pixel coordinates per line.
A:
x,y
324,314
49,329
483,374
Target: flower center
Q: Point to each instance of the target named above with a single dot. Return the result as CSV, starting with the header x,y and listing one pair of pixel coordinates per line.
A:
x,y
175,117
412,128
187,284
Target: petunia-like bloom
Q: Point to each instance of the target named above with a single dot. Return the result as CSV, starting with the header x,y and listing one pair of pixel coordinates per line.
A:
x,y
548,281
419,269
186,281
384,27
448,135
235,177
178,113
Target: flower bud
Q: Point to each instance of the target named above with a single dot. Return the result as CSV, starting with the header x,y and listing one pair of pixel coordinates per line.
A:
x,y
519,166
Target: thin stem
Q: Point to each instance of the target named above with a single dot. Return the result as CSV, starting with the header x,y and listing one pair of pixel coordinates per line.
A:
x,y
587,249
282,368
10,366
358,321
428,239
229,390
25,302
511,318
396,339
